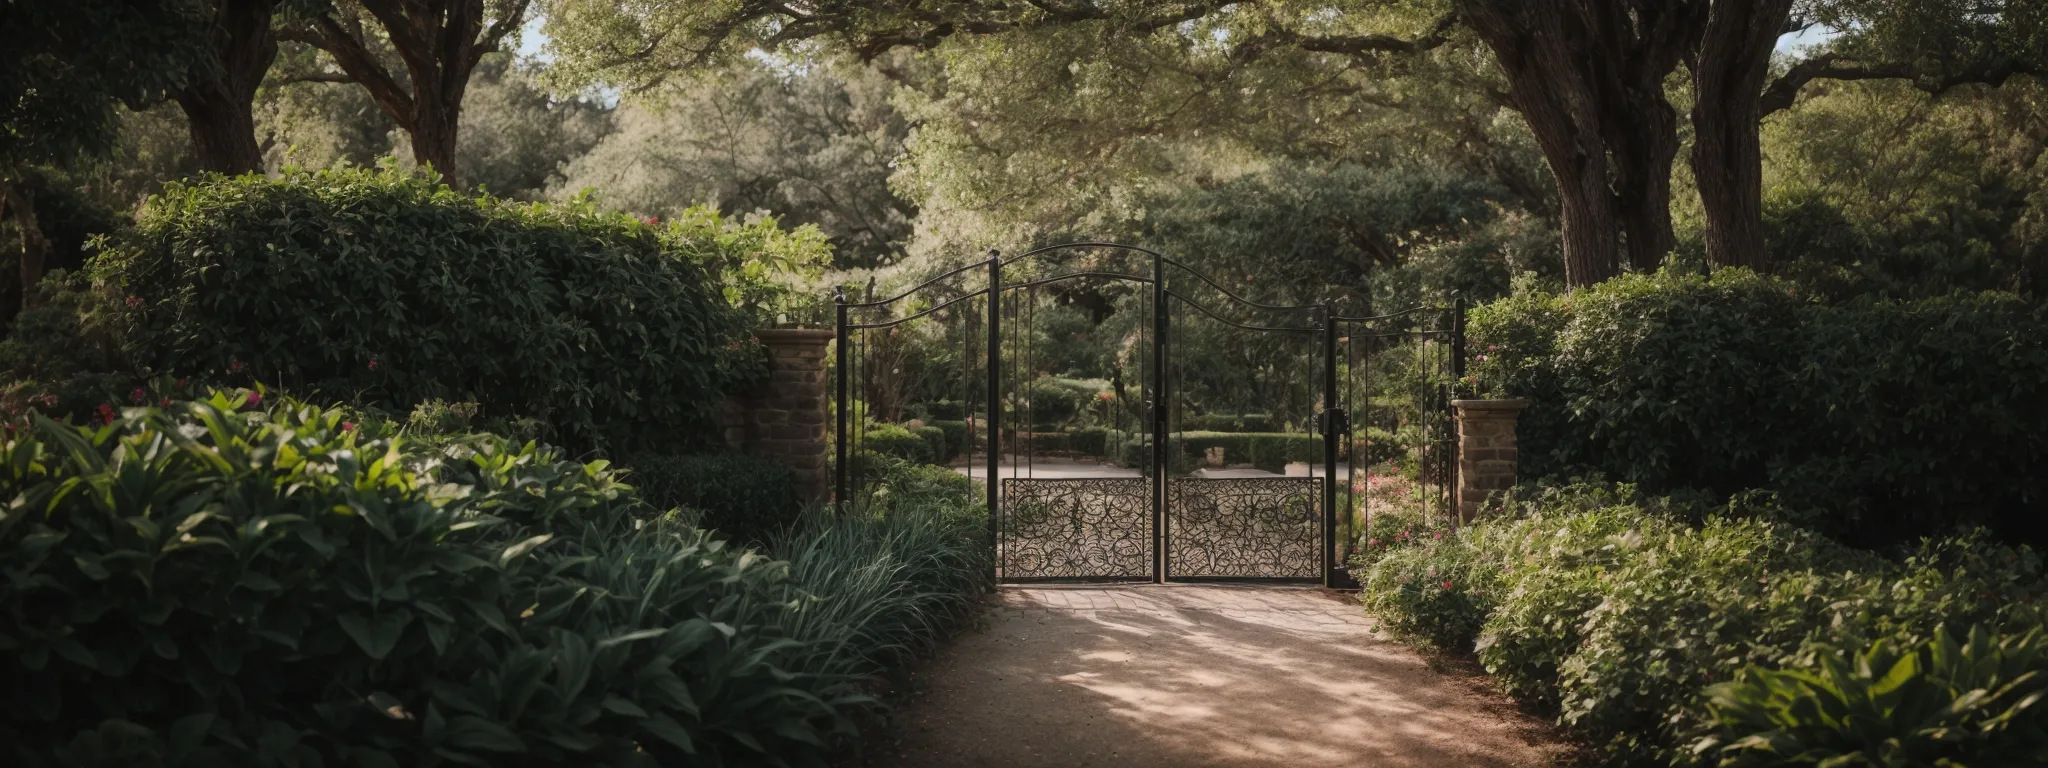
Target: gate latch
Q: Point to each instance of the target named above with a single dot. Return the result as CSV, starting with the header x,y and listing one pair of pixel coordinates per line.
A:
x,y
1336,421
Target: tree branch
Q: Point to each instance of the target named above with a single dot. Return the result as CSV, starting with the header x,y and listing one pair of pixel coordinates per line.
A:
x,y
1782,92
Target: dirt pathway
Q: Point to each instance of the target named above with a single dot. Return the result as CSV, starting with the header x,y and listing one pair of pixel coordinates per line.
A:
x,y
1186,675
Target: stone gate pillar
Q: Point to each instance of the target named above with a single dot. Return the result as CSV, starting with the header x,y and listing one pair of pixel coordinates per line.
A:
x,y
786,419
1486,450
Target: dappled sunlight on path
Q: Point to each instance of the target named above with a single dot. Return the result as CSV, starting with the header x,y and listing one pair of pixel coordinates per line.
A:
x,y
1200,675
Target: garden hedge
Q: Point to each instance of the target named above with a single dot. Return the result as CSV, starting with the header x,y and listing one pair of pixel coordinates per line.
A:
x,y
389,289
1886,419
216,584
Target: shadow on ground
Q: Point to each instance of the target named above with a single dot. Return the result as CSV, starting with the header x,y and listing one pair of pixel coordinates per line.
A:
x,y
1185,675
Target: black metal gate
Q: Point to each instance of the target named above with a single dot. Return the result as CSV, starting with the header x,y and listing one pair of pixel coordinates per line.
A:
x,y
1162,483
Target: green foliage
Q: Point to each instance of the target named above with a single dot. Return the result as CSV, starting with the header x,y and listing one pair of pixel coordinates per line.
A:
x,y
211,587
63,355
889,482
815,144
65,67
954,432
391,290
750,499
1609,609
1229,422
1947,702
895,441
1902,418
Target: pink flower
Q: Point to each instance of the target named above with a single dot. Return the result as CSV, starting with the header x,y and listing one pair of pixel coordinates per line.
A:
x,y
135,302
235,366
140,397
255,399
1482,358
348,426
50,400
106,413
1372,542
373,363
1439,534
1492,348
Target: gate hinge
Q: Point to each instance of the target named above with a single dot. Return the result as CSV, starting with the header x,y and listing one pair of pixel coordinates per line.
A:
x,y
1335,421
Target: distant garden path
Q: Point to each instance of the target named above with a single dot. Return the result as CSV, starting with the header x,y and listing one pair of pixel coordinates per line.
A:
x,y
1187,675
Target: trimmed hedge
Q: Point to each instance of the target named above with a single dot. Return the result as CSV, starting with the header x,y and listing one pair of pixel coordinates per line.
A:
x,y
1230,422
201,586
896,441
751,499
1611,610
391,290
1897,418
1269,451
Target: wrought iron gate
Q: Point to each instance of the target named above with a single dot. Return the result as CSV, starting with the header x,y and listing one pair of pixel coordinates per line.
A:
x,y
1154,495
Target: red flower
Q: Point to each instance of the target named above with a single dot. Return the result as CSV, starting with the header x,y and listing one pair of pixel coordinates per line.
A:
x,y
255,399
1447,583
135,302
106,413
164,403
373,363
235,366
348,426
140,397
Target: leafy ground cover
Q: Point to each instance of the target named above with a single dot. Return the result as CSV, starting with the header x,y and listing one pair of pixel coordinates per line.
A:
x,y
1671,632
241,581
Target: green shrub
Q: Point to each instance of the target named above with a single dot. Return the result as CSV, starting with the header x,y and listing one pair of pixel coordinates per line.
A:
x,y
935,442
1947,702
940,410
1270,451
887,481
1230,422
201,586
751,499
1613,610
391,290
1903,418
895,441
62,356
1436,594
956,437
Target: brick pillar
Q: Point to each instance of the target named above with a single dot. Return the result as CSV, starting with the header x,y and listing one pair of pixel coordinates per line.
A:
x,y
786,420
1486,450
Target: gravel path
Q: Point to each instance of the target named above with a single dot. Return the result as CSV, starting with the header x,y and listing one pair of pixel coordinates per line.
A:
x,y
1188,675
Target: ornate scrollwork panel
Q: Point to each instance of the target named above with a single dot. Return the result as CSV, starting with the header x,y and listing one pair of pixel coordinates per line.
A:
x,y
1264,527
1095,528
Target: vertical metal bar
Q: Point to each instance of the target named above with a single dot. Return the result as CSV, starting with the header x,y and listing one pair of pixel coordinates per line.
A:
x,y
995,398
1447,417
1329,444
1160,530
840,493
1458,342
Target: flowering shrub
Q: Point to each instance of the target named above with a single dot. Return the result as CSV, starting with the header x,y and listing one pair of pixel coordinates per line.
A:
x,y
391,290
1901,418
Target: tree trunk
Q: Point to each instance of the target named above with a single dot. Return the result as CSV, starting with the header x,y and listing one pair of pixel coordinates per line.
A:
x,y
1727,157
1548,83
433,136
19,203
220,107
1642,132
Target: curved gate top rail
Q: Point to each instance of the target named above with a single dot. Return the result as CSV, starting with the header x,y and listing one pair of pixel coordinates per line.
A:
x,y
1212,530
